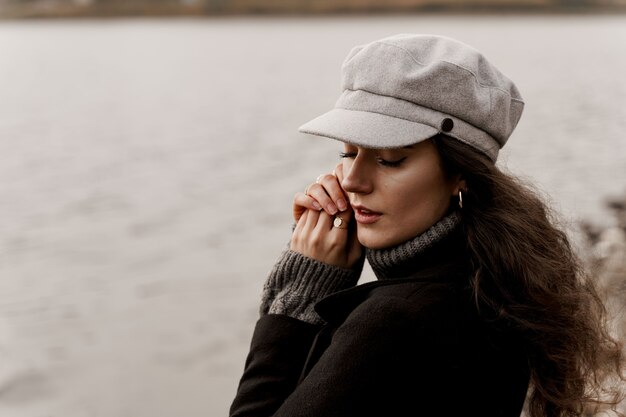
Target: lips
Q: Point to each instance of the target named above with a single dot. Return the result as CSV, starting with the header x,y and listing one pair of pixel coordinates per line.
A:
x,y
365,215
363,209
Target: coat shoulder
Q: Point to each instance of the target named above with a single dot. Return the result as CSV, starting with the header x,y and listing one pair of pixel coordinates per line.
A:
x,y
438,308
441,311
417,300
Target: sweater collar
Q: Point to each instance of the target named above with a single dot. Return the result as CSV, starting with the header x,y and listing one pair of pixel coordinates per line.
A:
x,y
403,259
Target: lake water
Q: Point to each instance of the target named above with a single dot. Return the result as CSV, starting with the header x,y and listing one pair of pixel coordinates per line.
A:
x,y
147,169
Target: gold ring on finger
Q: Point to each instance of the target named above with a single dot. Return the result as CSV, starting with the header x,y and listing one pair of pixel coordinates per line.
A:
x,y
339,223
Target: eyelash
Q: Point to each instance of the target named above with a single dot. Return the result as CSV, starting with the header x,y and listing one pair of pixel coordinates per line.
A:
x,y
391,164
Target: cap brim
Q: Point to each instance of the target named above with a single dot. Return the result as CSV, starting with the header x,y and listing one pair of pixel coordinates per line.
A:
x,y
368,129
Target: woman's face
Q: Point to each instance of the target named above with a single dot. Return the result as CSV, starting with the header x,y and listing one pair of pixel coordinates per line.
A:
x,y
397,193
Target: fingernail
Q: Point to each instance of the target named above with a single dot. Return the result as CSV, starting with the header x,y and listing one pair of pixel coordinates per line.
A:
x,y
316,205
342,204
331,208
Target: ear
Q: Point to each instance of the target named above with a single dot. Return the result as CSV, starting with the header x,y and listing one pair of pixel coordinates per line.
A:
x,y
459,185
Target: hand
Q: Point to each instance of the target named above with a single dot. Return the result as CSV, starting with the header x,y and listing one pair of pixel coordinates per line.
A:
x,y
315,235
326,194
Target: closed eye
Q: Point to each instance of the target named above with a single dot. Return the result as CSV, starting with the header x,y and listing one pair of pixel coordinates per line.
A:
x,y
391,163
381,161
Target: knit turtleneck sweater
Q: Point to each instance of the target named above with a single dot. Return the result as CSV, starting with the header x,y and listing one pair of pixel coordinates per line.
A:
x,y
388,263
296,282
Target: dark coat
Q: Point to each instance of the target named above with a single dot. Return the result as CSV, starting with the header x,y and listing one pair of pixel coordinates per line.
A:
x,y
412,345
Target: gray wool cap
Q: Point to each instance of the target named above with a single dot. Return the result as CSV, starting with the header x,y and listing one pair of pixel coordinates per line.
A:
x,y
406,88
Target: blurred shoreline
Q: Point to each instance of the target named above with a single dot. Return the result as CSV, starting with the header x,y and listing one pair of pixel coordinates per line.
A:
x,y
12,9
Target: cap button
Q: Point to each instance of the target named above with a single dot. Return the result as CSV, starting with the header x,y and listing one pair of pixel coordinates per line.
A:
x,y
447,124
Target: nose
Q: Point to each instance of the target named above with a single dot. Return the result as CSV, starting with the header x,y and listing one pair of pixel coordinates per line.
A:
x,y
356,178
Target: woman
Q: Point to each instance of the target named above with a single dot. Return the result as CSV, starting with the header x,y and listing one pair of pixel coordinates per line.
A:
x,y
480,299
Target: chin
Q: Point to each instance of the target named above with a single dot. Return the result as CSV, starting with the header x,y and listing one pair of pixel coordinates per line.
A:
x,y
372,240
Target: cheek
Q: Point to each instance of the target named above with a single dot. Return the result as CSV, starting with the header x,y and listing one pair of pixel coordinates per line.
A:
x,y
418,194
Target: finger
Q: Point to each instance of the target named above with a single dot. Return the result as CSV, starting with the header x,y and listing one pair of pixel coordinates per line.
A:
x,y
354,247
324,222
333,238
300,223
318,192
348,214
346,217
302,202
296,242
311,221
335,192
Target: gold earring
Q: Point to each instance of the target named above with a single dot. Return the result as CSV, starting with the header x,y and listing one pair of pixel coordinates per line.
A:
x,y
460,199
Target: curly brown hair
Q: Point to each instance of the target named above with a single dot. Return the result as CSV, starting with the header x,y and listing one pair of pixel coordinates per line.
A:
x,y
527,274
